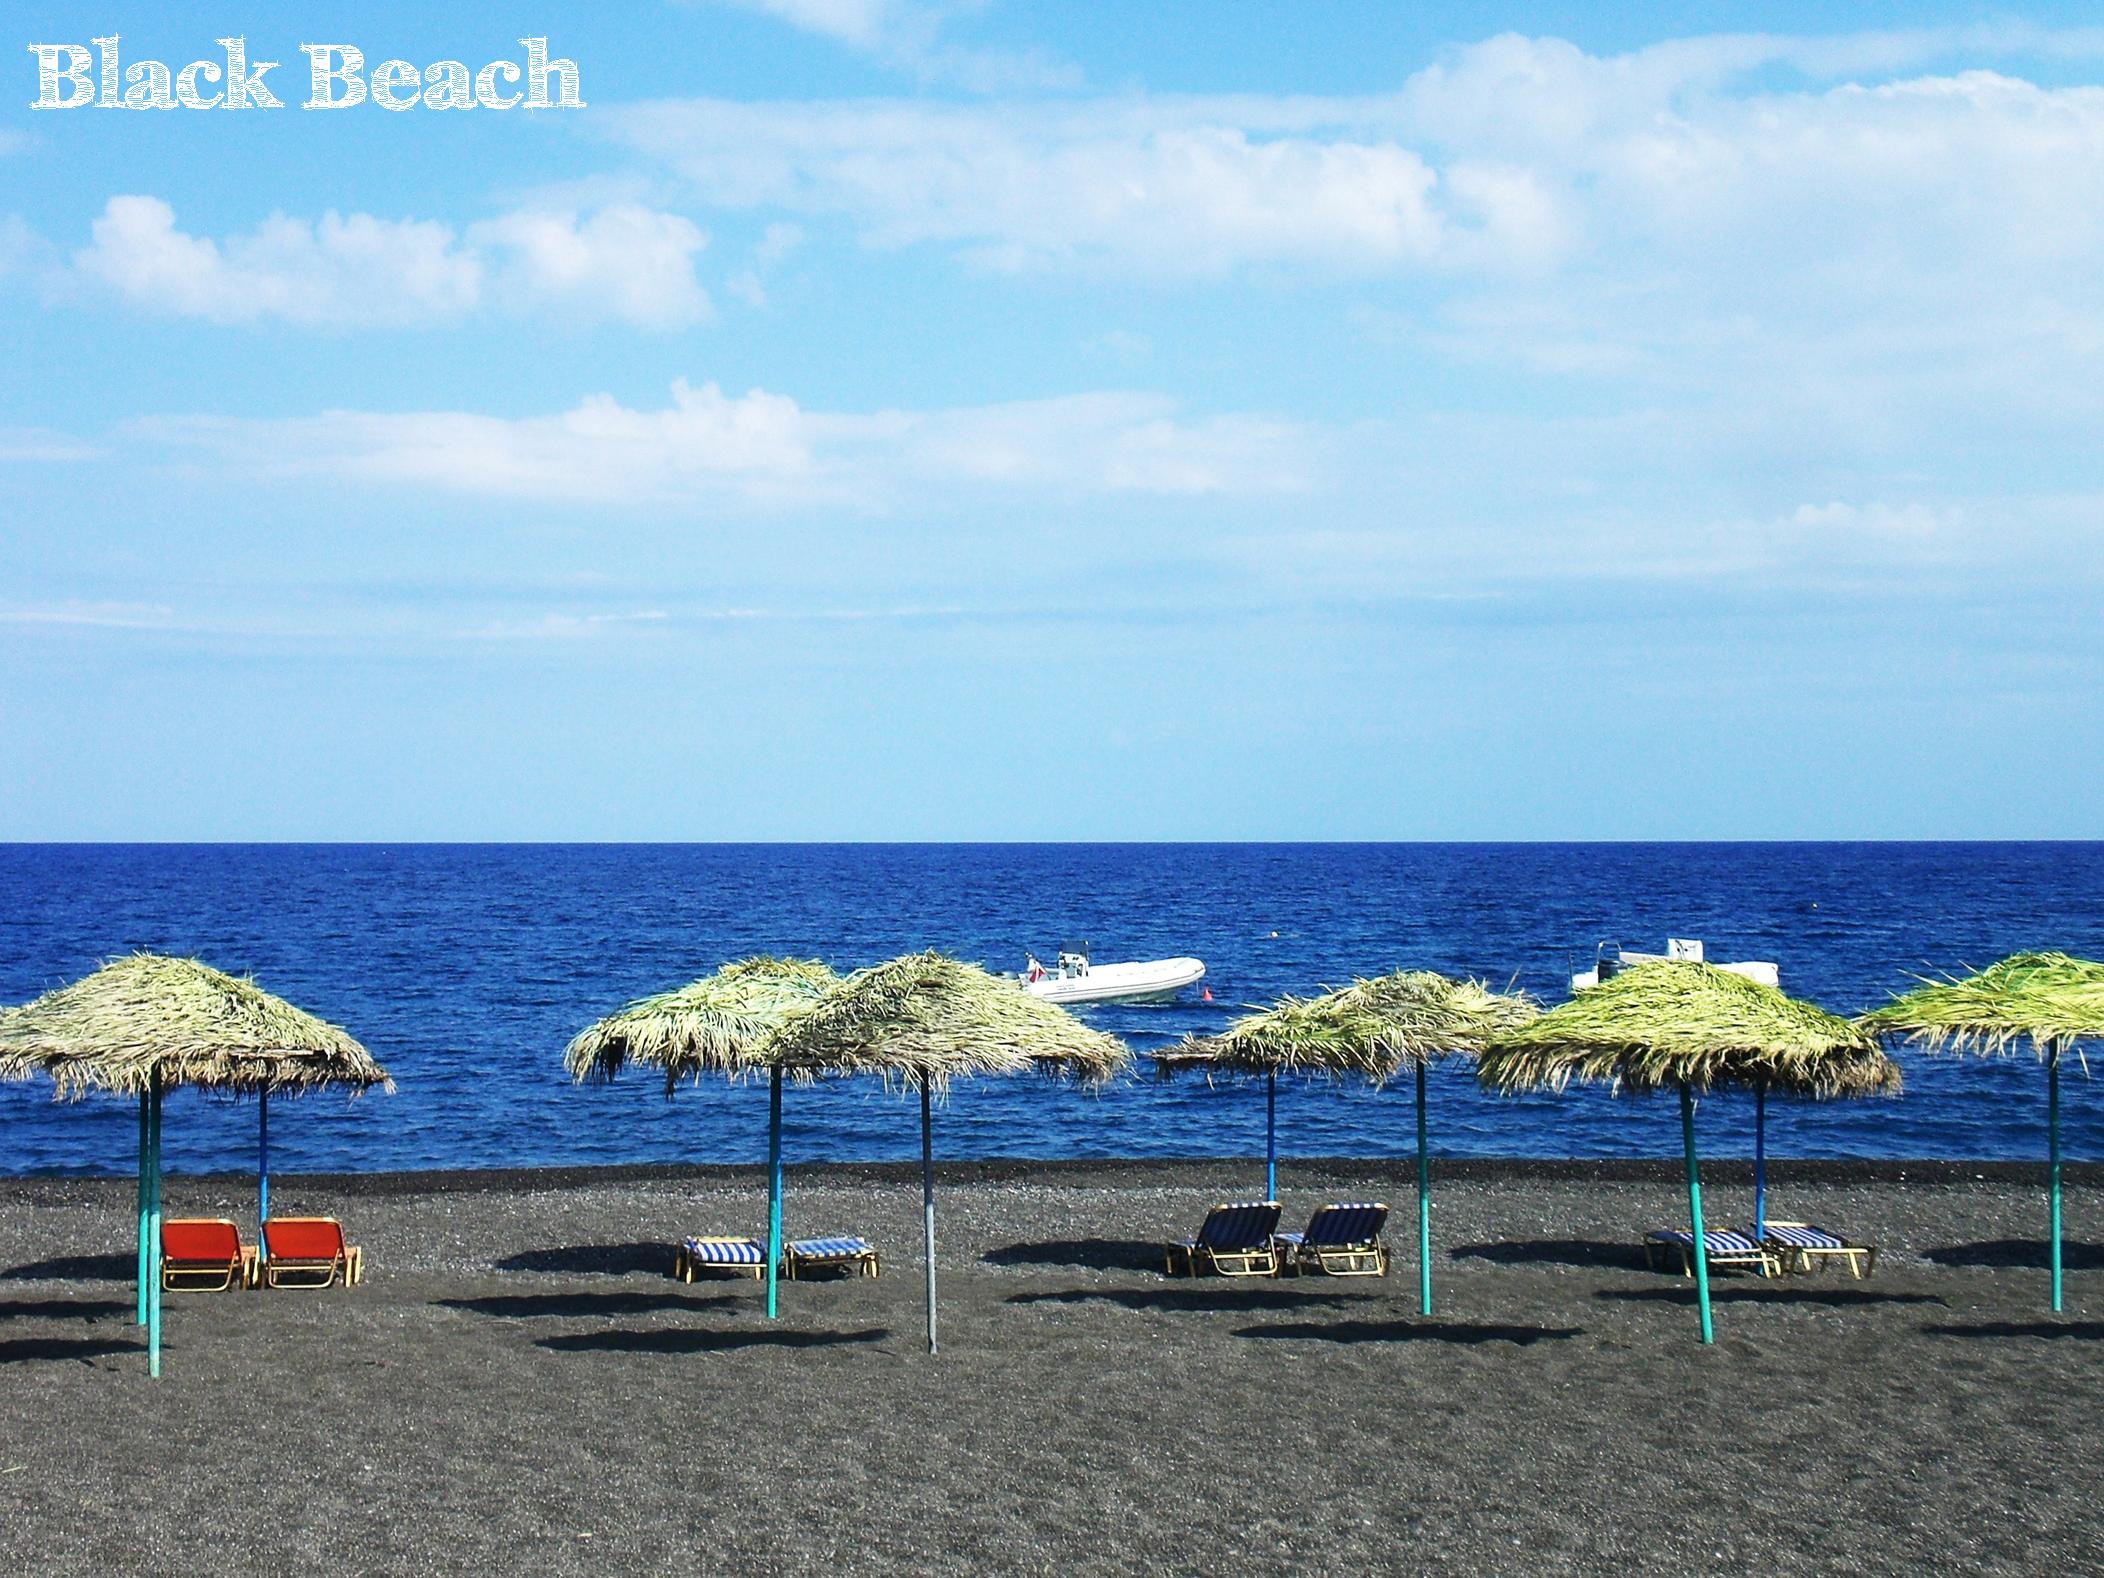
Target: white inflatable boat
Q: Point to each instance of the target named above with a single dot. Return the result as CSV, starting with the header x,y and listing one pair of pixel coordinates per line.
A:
x,y
1074,980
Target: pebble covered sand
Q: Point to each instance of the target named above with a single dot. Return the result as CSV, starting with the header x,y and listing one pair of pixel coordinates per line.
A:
x,y
519,1385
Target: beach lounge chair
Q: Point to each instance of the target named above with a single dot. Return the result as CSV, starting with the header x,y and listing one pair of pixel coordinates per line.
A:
x,y
1238,1239
308,1252
1726,1250
856,1256
738,1256
204,1255
1341,1241
1803,1247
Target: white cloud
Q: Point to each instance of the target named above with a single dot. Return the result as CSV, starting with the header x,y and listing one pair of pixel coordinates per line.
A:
x,y
25,255
93,616
776,243
1028,188
623,261
355,269
708,446
908,35
1875,519
775,246
563,626
560,626
43,444
1121,345
1121,443
1779,162
626,261
859,24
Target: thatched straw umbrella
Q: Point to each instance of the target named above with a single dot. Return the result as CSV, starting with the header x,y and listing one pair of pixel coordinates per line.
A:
x,y
2050,1000
709,1026
1692,1027
712,1026
140,1026
1372,1028
928,1019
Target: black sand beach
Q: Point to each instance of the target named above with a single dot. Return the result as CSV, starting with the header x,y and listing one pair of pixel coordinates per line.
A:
x,y
519,1386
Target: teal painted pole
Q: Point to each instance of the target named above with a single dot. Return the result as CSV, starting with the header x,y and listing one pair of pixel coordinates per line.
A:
x,y
928,1203
262,1158
774,1184
144,1224
1701,1246
2053,1160
153,1285
1424,1202
1760,1160
1271,1135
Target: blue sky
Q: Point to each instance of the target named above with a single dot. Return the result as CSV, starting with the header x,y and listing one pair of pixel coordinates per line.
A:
x,y
896,419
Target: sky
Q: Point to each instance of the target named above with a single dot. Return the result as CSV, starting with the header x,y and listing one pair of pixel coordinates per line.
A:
x,y
925,419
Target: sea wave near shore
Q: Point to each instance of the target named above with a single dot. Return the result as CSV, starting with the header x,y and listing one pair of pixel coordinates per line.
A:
x,y
465,969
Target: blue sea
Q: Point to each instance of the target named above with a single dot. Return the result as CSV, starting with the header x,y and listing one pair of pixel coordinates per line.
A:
x,y
465,969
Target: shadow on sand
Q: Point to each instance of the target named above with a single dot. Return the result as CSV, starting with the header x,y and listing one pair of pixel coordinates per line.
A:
x,y
541,1306
1193,1301
76,1268
1459,1332
2080,1330
2028,1253
606,1260
63,1309
688,1340
1589,1254
1095,1254
1741,1293
22,1350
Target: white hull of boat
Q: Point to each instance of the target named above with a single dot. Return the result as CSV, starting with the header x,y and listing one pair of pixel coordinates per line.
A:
x,y
1150,981
1760,970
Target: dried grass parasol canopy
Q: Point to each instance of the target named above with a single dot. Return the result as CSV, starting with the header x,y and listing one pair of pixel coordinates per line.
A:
x,y
1675,1022
110,1031
710,1026
1375,1027
2048,999
927,1016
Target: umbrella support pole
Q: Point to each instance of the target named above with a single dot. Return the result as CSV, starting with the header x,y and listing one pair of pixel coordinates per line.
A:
x,y
1271,1136
153,1285
1760,1160
928,1203
1424,1202
774,1185
1699,1250
262,1158
2053,1163
145,1132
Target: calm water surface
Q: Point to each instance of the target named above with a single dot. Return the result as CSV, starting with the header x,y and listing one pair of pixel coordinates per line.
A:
x,y
465,969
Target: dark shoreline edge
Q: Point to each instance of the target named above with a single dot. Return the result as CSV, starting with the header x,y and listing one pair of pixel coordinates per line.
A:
x,y
1305,1173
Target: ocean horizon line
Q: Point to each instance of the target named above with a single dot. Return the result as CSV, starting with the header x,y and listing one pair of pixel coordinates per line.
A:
x,y
1083,1171
1035,843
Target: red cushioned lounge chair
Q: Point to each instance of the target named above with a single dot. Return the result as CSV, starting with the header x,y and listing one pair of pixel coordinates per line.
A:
x,y
203,1255
308,1252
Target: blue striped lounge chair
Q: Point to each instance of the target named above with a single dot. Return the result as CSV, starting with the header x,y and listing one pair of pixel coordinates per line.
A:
x,y
855,1256
1803,1247
1725,1248
737,1256
1341,1241
1235,1240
